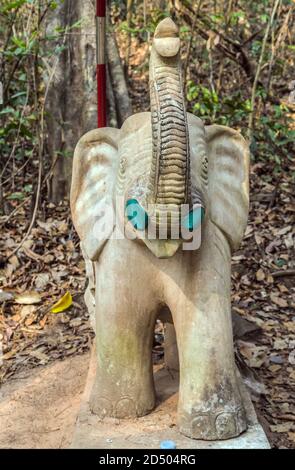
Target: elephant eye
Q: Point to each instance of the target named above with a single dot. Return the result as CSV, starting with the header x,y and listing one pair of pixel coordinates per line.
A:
x,y
136,214
194,219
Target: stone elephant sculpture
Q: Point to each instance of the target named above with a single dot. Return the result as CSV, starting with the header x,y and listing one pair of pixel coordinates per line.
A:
x,y
158,162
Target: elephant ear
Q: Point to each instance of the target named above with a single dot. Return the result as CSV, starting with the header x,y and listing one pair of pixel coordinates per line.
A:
x,y
228,180
94,174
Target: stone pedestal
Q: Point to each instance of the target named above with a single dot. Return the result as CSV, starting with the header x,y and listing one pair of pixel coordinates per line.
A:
x,y
149,431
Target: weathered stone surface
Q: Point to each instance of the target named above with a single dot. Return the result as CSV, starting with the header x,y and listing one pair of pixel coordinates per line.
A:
x,y
169,159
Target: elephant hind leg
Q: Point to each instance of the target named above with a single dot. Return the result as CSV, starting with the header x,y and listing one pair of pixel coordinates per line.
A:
x,y
170,347
171,358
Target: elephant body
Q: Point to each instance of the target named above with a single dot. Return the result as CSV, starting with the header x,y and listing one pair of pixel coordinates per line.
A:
x,y
135,279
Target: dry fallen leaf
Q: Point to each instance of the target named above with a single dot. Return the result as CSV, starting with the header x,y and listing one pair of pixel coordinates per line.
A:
x,y
63,304
30,320
275,368
62,227
43,321
9,355
5,296
254,355
16,318
278,301
291,357
290,325
260,276
280,344
284,230
27,310
284,427
28,298
40,356
76,322
269,279
41,280
283,289
258,239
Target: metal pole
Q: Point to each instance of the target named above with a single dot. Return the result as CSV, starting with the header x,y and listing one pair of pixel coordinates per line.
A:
x,y
101,63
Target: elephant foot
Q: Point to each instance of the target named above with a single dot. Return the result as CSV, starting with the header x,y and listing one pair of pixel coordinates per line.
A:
x,y
120,407
210,426
104,407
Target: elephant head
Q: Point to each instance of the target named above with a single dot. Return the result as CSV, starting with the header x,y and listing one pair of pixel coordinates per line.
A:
x,y
170,170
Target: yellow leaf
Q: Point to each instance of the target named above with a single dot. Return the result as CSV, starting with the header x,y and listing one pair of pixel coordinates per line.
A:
x,y
63,304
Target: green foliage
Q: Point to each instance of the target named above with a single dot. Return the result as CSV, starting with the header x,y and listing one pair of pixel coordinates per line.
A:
x,y
229,110
139,31
275,137
220,91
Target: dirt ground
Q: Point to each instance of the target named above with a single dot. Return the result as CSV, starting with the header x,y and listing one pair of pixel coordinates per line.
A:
x,y
38,408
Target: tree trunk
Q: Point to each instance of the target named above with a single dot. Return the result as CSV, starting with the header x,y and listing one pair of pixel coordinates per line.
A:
x,y
71,108
118,81
71,105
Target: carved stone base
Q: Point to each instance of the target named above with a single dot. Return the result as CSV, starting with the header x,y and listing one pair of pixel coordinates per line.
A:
x,y
149,431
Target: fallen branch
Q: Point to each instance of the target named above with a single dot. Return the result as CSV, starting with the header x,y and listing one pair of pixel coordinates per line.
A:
x,y
287,272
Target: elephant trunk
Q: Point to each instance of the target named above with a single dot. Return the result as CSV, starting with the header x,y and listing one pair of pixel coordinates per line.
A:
x,y
169,182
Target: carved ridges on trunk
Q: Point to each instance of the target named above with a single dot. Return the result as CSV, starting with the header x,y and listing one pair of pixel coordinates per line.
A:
x,y
170,165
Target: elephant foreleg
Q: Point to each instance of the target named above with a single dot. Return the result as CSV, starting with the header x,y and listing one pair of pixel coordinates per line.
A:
x,y
210,405
124,384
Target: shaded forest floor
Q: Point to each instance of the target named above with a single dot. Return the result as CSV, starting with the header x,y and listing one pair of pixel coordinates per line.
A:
x,y
50,263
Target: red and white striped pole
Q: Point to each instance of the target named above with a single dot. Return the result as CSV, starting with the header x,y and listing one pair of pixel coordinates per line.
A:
x,y
101,63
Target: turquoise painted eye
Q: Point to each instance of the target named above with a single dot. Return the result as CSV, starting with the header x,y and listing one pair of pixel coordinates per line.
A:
x,y
194,218
136,214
